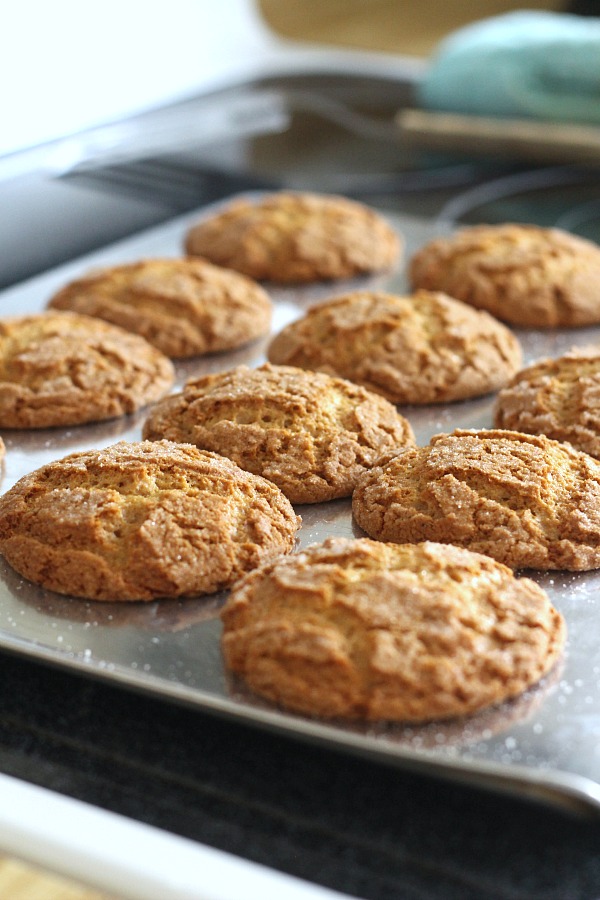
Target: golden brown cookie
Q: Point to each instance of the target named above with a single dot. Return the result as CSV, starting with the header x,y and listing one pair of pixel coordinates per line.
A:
x,y
522,274
295,238
558,398
524,500
405,632
309,433
426,348
61,368
139,521
185,307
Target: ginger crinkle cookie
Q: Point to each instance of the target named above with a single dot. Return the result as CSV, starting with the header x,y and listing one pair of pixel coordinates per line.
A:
x,y
139,521
426,348
185,307
525,500
556,397
296,238
370,630
309,433
523,274
66,369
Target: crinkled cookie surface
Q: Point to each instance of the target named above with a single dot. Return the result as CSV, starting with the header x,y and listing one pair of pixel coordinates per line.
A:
x,y
61,368
425,348
363,629
309,433
556,397
523,274
296,238
525,500
139,521
185,307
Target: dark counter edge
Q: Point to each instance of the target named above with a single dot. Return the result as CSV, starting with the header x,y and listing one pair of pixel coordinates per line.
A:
x,y
353,824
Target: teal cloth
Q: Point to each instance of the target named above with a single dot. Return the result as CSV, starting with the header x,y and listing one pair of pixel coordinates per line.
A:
x,y
523,64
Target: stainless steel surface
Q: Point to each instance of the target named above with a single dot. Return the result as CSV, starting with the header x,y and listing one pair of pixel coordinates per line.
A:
x,y
179,127
546,743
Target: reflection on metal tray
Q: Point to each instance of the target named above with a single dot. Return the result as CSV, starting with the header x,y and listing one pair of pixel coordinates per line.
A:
x,y
545,743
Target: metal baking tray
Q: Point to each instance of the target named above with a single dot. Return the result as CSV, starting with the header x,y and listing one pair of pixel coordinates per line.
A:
x,y
544,744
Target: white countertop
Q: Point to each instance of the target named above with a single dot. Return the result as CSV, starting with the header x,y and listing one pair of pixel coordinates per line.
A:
x,y
67,67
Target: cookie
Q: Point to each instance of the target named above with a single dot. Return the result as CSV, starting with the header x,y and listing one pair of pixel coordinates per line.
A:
x,y
309,433
140,521
296,238
65,369
524,500
426,348
522,274
185,307
558,398
404,632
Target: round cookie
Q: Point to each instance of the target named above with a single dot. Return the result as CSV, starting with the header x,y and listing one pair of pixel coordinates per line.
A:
x,y
185,307
522,274
426,348
525,500
556,397
309,433
61,368
296,238
404,632
140,521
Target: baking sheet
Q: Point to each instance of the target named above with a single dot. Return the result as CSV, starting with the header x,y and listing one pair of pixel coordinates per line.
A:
x,y
545,743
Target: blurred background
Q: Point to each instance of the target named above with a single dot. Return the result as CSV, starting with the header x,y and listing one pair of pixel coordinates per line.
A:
x,y
118,117
395,26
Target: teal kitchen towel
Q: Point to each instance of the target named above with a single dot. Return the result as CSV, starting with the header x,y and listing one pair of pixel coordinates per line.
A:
x,y
523,64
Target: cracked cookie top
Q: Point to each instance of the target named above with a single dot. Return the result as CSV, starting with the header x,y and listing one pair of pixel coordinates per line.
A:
x,y
425,348
556,397
296,238
372,630
185,307
140,521
525,500
67,369
309,433
523,274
